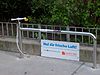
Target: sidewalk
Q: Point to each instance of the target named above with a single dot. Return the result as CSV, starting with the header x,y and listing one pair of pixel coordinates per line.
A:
x,y
10,64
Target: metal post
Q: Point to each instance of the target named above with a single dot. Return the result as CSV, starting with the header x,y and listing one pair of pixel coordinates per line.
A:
x,y
7,29
94,54
89,38
39,32
2,30
82,35
68,35
12,30
75,36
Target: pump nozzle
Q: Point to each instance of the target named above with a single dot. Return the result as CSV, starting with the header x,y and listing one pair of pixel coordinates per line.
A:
x,y
18,19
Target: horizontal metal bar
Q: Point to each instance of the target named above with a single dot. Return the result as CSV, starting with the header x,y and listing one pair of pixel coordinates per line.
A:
x,y
59,31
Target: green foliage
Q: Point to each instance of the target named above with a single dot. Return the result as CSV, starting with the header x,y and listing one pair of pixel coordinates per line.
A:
x,y
14,8
66,12
61,12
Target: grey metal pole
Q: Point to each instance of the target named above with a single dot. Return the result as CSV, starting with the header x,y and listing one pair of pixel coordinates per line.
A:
x,y
39,26
94,54
68,35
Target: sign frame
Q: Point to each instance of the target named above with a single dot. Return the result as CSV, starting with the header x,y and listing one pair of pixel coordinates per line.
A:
x,y
60,49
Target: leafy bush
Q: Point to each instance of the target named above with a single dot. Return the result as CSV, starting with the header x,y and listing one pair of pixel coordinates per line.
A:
x,y
63,12
66,12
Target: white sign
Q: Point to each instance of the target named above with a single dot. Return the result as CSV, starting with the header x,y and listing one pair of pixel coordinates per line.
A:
x,y
59,49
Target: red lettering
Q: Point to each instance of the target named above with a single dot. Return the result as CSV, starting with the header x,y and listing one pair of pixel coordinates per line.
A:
x,y
63,53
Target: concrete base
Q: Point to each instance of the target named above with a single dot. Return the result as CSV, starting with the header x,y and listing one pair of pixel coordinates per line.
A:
x,y
33,47
29,46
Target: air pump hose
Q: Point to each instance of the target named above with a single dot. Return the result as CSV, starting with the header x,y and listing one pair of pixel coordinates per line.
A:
x,y
17,42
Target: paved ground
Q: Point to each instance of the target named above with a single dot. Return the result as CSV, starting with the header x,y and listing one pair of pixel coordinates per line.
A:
x,y
10,64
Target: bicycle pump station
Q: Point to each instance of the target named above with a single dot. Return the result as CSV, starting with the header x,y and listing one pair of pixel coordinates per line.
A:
x,y
18,35
19,38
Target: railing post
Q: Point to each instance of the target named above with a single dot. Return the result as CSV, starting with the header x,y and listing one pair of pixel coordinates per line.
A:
x,y
68,35
39,26
7,29
2,30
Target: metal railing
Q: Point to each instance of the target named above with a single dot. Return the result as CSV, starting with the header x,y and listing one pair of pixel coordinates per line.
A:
x,y
9,30
67,32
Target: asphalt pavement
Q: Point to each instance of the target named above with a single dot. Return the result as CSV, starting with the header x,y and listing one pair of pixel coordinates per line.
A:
x,y
11,64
